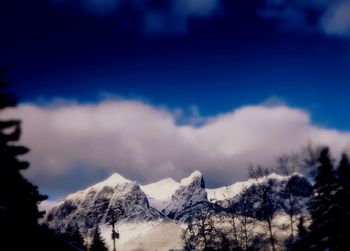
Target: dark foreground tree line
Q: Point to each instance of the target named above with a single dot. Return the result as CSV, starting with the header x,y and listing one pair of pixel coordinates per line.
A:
x,y
319,223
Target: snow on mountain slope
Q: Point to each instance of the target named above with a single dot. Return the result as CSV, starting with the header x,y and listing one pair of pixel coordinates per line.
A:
x,y
155,235
113,180
190,179
231,191
189,199
159,193
161,190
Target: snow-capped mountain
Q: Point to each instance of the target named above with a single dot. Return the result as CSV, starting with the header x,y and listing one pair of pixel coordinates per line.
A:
x,y
129,203
115,197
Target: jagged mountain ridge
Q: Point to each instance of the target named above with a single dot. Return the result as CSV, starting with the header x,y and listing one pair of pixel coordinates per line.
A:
x,y
283,190
153,202
189,199
115,197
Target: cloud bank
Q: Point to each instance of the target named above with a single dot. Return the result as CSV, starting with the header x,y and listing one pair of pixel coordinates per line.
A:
x,y
162,16
74,144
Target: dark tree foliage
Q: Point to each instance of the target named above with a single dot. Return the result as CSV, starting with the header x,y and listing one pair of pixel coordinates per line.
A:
x,y
301,243
19,199
74,237
201,232
302,232
241,234
329,208
97,243
341,206
343,173
322,205
205,233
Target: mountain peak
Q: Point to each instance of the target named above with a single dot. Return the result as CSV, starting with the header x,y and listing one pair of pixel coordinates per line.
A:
x,y
113,180
161,190
194,176
189,199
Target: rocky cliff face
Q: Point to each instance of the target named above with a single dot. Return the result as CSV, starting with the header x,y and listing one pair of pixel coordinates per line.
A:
x,y
115,198
189,199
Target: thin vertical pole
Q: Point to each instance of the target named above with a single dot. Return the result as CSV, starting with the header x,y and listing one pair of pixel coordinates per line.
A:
x,y
113,236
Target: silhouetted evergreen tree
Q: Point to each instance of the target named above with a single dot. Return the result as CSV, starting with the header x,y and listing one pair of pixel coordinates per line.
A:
x,y
74,237
329,208
343,172
322,208
19,199
301,241
341,206
97,243
302,232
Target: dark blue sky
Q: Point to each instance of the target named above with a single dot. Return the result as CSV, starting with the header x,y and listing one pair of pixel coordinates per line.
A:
x,y
218,61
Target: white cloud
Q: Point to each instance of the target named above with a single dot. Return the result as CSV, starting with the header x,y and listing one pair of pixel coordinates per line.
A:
x,y
336,21
71,143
